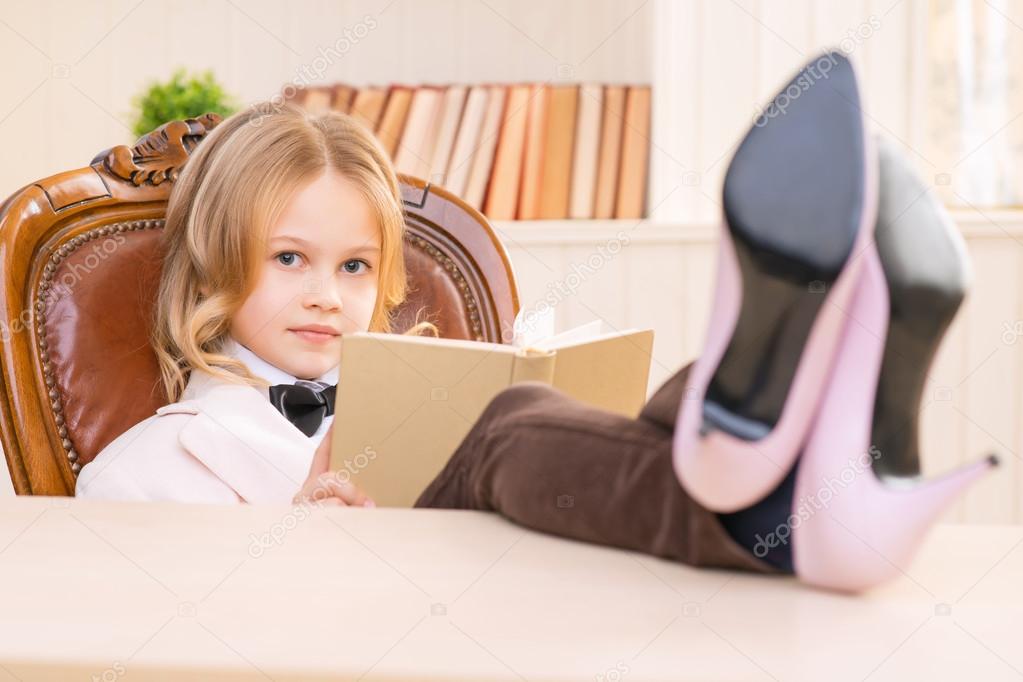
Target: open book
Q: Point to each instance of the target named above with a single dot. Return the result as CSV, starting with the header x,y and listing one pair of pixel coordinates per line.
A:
x,y
404,403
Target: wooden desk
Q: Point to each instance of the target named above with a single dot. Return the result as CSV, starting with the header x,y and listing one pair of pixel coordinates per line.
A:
x,y
111,591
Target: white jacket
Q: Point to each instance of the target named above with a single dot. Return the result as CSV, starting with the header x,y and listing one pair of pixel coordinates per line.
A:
x,y
221,443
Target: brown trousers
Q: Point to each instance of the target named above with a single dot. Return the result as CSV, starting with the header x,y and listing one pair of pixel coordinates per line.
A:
x,y
553,464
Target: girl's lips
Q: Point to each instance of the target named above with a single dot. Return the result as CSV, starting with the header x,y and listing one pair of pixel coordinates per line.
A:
x,y
314,337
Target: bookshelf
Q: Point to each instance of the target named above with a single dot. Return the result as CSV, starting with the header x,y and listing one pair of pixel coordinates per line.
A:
x,y
526,151
709,65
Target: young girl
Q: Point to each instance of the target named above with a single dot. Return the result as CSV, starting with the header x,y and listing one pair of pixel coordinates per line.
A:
x,y
283,233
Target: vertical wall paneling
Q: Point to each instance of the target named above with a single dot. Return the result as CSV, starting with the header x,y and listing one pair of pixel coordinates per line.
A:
x,y
675,169
992,354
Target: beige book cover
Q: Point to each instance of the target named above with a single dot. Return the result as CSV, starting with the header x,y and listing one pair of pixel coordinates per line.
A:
x,y
405,403
556,177
536,144
506,178
447,129
392,123
369,105
467,140
483,158
635,151
415,152
612,121
587,147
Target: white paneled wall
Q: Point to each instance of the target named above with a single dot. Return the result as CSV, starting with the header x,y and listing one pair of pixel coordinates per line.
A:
x,y
72,67
717,63
941,81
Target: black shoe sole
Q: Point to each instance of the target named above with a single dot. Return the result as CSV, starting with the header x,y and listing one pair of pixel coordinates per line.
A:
x,y
793,199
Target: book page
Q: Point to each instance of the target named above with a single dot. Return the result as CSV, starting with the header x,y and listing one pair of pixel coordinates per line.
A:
x,y
532,326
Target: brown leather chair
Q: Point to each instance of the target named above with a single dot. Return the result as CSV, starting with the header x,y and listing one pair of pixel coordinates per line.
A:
x,y
81,257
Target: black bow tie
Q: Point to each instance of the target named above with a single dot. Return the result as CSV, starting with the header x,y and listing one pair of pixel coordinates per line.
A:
x,y
303,406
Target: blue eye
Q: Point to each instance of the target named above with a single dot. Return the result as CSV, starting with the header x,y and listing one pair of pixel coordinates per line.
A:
x,y
287,258
354,267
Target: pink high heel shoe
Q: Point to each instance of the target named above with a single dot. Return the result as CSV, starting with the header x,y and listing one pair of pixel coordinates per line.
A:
x,y
852,529
799,200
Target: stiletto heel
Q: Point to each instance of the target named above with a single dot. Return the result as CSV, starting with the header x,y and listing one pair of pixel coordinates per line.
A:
x,y
799,200
853,527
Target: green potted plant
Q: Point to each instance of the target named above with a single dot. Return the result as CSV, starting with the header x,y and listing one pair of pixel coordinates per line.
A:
x,y
183,96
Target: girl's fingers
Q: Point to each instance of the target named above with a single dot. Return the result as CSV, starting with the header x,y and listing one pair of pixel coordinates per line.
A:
x,y
345,490
316,490
328,489
342,489
320,499
321,458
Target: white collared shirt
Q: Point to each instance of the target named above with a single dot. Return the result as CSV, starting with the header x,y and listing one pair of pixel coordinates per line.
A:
x,y
275,375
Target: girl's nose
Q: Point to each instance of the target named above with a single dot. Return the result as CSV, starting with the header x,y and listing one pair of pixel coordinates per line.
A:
x,y
321,292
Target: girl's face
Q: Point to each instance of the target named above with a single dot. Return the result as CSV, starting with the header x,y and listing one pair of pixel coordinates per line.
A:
x,y
318,279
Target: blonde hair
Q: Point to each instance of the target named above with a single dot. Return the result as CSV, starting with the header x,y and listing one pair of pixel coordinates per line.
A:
x,y
219,216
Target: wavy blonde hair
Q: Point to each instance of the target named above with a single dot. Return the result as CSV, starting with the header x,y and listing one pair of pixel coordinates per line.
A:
x,y
219,215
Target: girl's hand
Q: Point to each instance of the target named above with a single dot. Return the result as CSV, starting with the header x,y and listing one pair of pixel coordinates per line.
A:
x,y
328,487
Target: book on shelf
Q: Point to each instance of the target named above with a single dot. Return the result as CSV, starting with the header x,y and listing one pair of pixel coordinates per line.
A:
x,y
450,116
612,122
524,151
635,150
317,100
415,152
392,121
503,193
405,403
483,158
587,149
467,142
556,174
532,161
342,98
368,106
